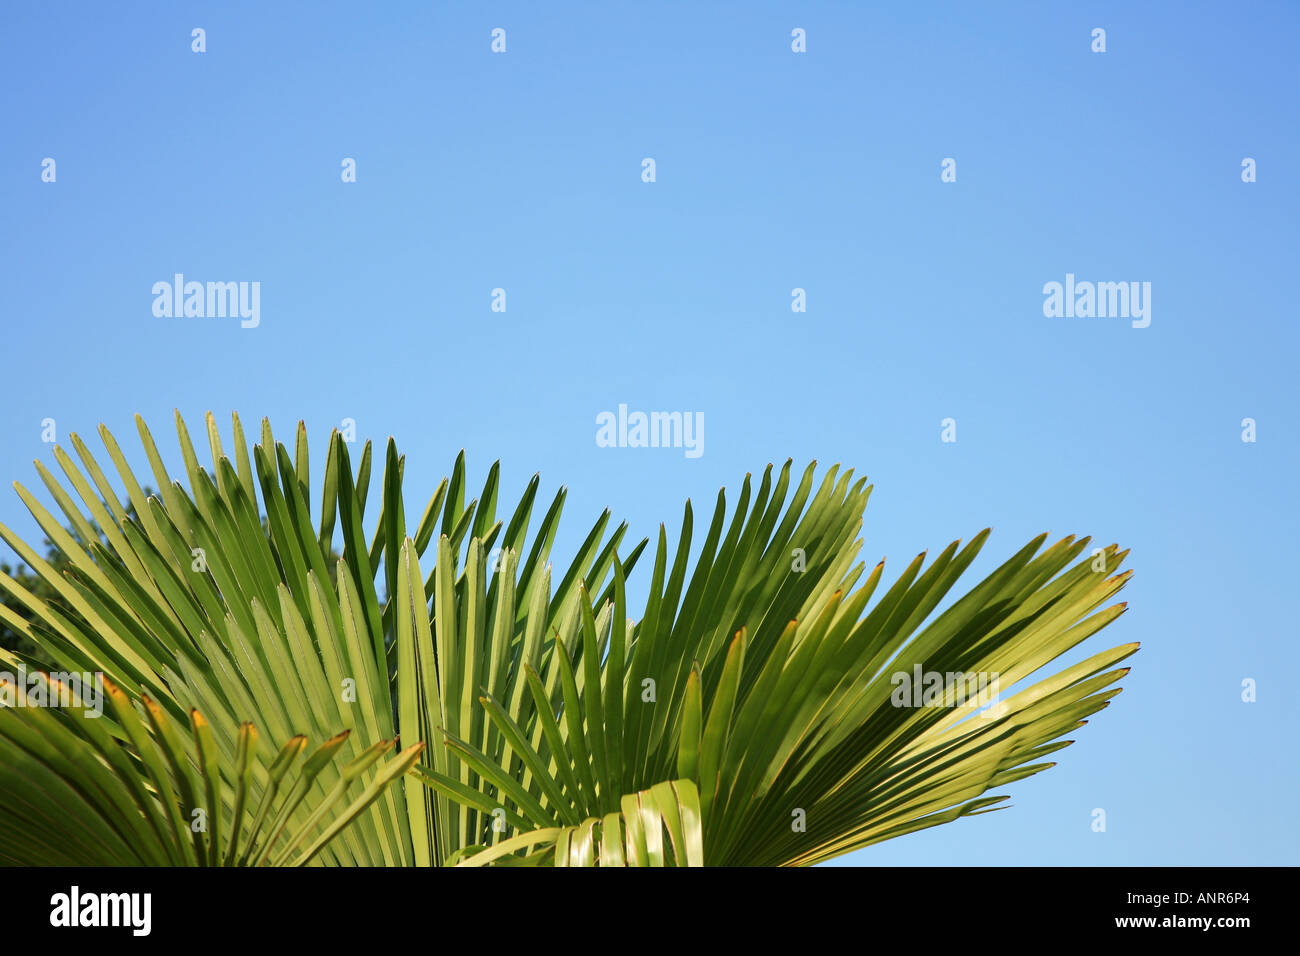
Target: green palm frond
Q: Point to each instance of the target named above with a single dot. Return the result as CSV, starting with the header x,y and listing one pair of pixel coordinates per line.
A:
x,y
771,683
228,598
656,827
86,788
759,679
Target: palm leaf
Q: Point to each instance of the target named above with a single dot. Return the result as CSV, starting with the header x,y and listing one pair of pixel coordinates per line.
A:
x,y
656,827
772,686
205,597
762,674
123,789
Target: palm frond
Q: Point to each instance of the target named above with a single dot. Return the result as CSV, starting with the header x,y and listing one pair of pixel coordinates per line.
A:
x,y
657,827
772,684
87,788
225,597
760,679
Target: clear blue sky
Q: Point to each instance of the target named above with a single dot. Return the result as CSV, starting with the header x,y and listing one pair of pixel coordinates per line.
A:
x,y
775,170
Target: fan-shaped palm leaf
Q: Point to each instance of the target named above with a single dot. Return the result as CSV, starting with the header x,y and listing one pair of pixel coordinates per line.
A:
x,y
206,599
81,788
760,679
772,682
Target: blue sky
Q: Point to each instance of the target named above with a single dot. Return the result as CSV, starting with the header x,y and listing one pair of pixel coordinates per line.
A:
x,y
774,171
